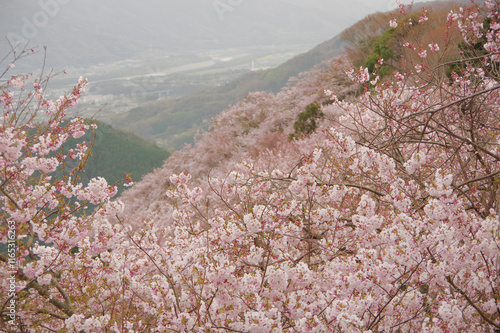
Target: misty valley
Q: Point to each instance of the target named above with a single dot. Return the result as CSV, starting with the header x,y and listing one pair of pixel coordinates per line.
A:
x,y
121,86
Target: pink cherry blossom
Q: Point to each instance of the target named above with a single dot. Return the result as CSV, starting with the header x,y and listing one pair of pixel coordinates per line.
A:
x,y
382,219
434,47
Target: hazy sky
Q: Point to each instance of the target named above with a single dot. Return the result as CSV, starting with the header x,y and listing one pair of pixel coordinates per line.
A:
x,y
362,6
102,30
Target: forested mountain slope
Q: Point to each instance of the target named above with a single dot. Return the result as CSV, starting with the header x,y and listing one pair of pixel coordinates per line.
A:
x,y
172,123
116,153
264,119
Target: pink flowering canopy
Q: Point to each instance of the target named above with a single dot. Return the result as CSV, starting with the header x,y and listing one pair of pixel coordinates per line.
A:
x,y
382,219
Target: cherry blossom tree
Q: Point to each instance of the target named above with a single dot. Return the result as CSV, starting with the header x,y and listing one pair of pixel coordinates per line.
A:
x,y
50,262
384,219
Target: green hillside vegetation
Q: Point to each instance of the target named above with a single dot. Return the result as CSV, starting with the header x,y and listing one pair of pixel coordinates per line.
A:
x,y
388,46
173,123
372,39
381,50
116,153
307,121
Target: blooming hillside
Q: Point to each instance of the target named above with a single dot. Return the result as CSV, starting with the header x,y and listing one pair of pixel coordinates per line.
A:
x,y
355,200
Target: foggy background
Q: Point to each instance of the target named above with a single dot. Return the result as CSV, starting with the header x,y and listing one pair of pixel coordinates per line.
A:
x,y
161,69
83,33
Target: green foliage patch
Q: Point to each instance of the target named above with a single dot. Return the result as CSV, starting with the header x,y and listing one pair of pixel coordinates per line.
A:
x,y
381,50
116,153
306,122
